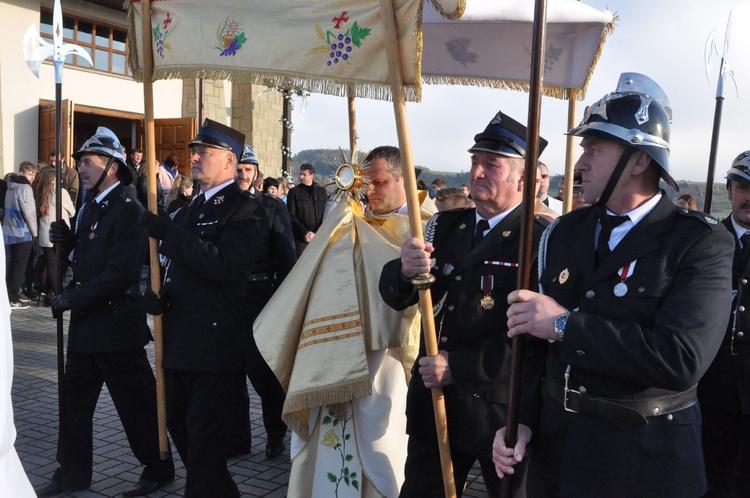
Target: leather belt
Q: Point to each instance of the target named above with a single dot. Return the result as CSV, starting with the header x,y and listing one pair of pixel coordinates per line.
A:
x,y
262,277
634,411
134,289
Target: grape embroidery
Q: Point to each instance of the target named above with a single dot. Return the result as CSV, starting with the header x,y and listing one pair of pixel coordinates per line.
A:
x,y
338,44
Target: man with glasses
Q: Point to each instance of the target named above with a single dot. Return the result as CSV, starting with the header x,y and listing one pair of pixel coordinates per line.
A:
x,y
209,251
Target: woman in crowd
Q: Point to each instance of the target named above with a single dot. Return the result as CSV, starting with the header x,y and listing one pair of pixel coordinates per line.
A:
x,y
181,193
46,206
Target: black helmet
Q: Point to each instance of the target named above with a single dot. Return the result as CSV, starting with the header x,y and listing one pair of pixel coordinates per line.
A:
x,y
105,143
636,114
740,169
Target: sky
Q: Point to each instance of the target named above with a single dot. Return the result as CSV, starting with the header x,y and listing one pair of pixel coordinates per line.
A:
x,y
664,39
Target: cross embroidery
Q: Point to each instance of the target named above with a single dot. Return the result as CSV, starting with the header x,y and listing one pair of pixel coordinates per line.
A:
x,y
342,18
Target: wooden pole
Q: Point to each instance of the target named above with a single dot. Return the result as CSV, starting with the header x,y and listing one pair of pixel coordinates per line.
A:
x,y
569,162
148,100
422,282
527,224
353,138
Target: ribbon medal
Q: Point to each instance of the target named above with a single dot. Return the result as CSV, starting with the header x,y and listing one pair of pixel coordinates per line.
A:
x,y
487,302
622,288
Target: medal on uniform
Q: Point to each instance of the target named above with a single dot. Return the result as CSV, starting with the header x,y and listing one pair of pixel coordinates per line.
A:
x,y
447,269
622,288
563,277
92,234
487,302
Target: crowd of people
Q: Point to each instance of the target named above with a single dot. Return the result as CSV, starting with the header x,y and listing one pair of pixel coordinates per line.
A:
x,y
634,379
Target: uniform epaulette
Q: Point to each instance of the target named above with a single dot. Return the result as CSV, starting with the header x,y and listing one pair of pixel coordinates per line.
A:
x,y
705,218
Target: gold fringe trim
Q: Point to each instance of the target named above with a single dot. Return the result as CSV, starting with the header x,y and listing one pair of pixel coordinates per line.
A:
x,y
456,14
301,401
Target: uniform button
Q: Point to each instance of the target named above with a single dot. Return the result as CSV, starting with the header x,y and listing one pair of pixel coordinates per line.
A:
x,y
743,281
168,280
590,294
641,289
740,334
582,389
458,278
214,324
580,352
451,307
670,416
475,396
657,410
443,339
741,309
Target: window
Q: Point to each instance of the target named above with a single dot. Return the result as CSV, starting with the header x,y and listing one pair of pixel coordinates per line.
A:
x,y
106,45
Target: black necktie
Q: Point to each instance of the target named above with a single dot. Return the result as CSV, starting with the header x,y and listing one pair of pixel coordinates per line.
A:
x,y
745,239
196,205
482,226
608,223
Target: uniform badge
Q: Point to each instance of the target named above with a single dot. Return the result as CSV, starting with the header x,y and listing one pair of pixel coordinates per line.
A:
x,y
711,221
219,200
506,233
462,226
563,276
447,269
487,302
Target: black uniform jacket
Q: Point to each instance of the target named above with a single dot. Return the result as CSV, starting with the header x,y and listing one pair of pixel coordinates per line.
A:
x,y
107,307
276,255
657,339
475,338
211,256
726,385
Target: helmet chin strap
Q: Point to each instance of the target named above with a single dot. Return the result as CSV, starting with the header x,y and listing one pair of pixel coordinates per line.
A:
x,y
94,191
614,177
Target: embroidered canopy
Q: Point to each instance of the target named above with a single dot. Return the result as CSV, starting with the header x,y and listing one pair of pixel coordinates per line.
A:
x,y
323,46
491,45
338,46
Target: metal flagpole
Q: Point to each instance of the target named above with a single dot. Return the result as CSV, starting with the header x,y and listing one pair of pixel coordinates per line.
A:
x,y
724,71
36,50
527,229
422,282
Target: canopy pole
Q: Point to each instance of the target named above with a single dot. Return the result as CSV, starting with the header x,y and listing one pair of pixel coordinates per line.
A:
x,y
527,223
148,101
422,282
353,138
569,162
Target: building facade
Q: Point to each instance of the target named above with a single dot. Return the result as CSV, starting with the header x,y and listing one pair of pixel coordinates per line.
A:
x,y
106,94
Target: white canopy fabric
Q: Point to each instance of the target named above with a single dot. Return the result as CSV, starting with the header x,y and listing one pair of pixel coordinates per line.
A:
x,y
491,45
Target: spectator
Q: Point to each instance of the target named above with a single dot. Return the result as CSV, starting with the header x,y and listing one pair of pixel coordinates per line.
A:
x,y
271,186
181,194
307,204
543,193
141,187
451,198
687,201
283,190
438,184
70,180
19,230
167,172
46,204
135,159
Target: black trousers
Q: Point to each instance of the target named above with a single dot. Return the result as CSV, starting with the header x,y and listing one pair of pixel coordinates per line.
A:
x,y
200,417
423,477
132,385
16,258
726,450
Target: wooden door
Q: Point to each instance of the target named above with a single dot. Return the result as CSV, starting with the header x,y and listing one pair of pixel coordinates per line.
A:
x,y
47,129
172,137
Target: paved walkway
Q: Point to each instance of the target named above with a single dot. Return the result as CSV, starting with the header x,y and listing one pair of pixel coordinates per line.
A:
x,y
115,468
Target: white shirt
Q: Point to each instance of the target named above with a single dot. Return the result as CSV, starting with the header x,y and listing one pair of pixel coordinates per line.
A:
x,y
636,215
495,219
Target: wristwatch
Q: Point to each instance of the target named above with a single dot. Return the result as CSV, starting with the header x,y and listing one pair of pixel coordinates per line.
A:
x,y
560,323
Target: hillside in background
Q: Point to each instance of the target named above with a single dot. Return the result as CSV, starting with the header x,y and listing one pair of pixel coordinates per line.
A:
x,y
327,160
